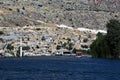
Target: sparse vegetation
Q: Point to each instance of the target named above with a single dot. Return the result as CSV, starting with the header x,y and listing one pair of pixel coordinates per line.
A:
x,y
22,12
68,45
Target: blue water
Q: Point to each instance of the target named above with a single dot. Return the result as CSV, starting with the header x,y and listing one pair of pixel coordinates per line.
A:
x,y
59,68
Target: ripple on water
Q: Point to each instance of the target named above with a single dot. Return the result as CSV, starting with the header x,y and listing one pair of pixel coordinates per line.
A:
x,y
56,68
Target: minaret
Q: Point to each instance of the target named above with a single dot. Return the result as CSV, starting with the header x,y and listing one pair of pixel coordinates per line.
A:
x,y
14,52
21,48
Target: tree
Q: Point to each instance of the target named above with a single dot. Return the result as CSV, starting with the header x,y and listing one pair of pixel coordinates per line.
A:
x,y
26,48
10,47
18,52
113,37
99,47
43,38
1,32
107,46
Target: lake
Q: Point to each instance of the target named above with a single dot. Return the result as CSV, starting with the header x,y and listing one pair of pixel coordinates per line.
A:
x,y
59,68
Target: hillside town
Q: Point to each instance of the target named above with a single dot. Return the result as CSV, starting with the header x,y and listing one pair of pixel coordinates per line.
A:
x,y
50,27
44,41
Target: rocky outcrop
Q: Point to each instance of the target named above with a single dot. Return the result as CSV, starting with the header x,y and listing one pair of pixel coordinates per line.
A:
x,y
74,13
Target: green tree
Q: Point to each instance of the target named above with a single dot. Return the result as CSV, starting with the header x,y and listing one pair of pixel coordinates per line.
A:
x,y
26,48
18,52
113,37
99,47
10,47
107,46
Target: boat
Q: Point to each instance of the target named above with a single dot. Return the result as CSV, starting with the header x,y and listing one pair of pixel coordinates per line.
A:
x,y
80,54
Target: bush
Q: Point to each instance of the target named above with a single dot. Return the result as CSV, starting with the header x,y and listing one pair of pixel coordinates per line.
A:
x,y
1,32
26,48
10,47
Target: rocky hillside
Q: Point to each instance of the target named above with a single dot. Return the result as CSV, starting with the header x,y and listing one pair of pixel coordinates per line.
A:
x,y
74,13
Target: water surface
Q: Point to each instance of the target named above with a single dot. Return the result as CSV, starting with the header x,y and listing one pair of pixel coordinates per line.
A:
x,y
59,68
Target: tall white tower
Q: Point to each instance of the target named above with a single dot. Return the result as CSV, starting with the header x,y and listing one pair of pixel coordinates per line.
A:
x,y
21,47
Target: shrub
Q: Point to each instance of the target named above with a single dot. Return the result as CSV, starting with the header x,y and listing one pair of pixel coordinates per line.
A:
x,y
1,32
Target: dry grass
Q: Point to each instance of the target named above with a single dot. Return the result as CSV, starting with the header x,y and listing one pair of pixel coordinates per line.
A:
x,y
1,12
30,8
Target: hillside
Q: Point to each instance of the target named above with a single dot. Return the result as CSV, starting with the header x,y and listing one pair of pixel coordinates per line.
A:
x,y
74,13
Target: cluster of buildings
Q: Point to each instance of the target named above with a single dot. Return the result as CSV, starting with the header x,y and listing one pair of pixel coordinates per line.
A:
x,y
43,41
